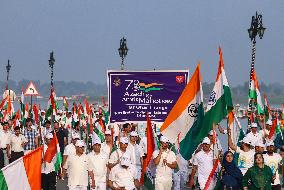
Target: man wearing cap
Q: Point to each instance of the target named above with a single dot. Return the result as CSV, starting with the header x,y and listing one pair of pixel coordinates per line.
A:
x,y
254,136
273,160
70,149
48,174
5,136
122,176
259,147
18,141
215,147
265,132
99,161
79,168
246,155
116,155
165,161
202,164
135,151
108,144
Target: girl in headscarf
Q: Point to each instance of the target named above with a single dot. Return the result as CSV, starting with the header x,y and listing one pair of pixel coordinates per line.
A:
x,y
258,177
231,175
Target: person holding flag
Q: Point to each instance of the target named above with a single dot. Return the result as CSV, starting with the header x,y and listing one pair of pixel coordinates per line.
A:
x,y
265,132
202,165
165,161
245,160
254,136
48,174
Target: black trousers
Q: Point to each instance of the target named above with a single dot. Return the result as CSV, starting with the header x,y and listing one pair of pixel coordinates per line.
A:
x,y
1,159
276,187
48,181
15,156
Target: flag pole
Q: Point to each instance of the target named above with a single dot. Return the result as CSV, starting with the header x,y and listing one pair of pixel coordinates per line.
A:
x,y
51,62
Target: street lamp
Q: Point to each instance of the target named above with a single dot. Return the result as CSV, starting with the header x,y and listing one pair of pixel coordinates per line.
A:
x,y
122,50
51,64
256,29
8,67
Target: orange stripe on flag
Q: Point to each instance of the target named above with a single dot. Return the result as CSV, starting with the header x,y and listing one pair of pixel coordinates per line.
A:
x,y
187,96
221,64
51,149
32,162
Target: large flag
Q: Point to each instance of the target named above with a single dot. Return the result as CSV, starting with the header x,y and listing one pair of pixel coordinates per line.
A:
x,y
185,118
220,101
53,153
254,93
147,174
24,173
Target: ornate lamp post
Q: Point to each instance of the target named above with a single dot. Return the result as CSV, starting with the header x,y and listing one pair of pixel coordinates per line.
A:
x,y
122,50
8,67
51,62
256,29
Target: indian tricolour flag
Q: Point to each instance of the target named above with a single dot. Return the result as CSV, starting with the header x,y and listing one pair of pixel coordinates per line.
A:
x,y
24,173
185,118
52,107
237,133
267,111
53,153
65,103
148,169
254,93
220,101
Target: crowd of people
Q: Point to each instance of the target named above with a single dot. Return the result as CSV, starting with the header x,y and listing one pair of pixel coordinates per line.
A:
x,y
112,156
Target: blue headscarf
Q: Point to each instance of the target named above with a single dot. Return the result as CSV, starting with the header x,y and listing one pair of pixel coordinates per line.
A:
x,y
232,175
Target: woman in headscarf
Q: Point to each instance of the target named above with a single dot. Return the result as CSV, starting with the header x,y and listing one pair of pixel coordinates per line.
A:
x,y
231,177
259,176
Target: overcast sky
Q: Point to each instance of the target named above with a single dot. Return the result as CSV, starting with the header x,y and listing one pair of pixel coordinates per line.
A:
x,y
161,34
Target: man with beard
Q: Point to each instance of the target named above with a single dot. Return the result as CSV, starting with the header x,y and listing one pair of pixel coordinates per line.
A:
x,y
273,160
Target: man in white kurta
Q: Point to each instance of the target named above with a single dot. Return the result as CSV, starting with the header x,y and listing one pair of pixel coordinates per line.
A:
x,y
70,149
254,136
99,161
135,152
117,154
202,164
122,176
79,168
107,146
165,161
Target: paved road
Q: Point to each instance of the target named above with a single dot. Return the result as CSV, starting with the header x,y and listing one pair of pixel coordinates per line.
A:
x,y
62,185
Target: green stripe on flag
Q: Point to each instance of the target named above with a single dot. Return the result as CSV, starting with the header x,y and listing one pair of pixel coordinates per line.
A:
x,y
194,136
3,183
58,161
148,183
